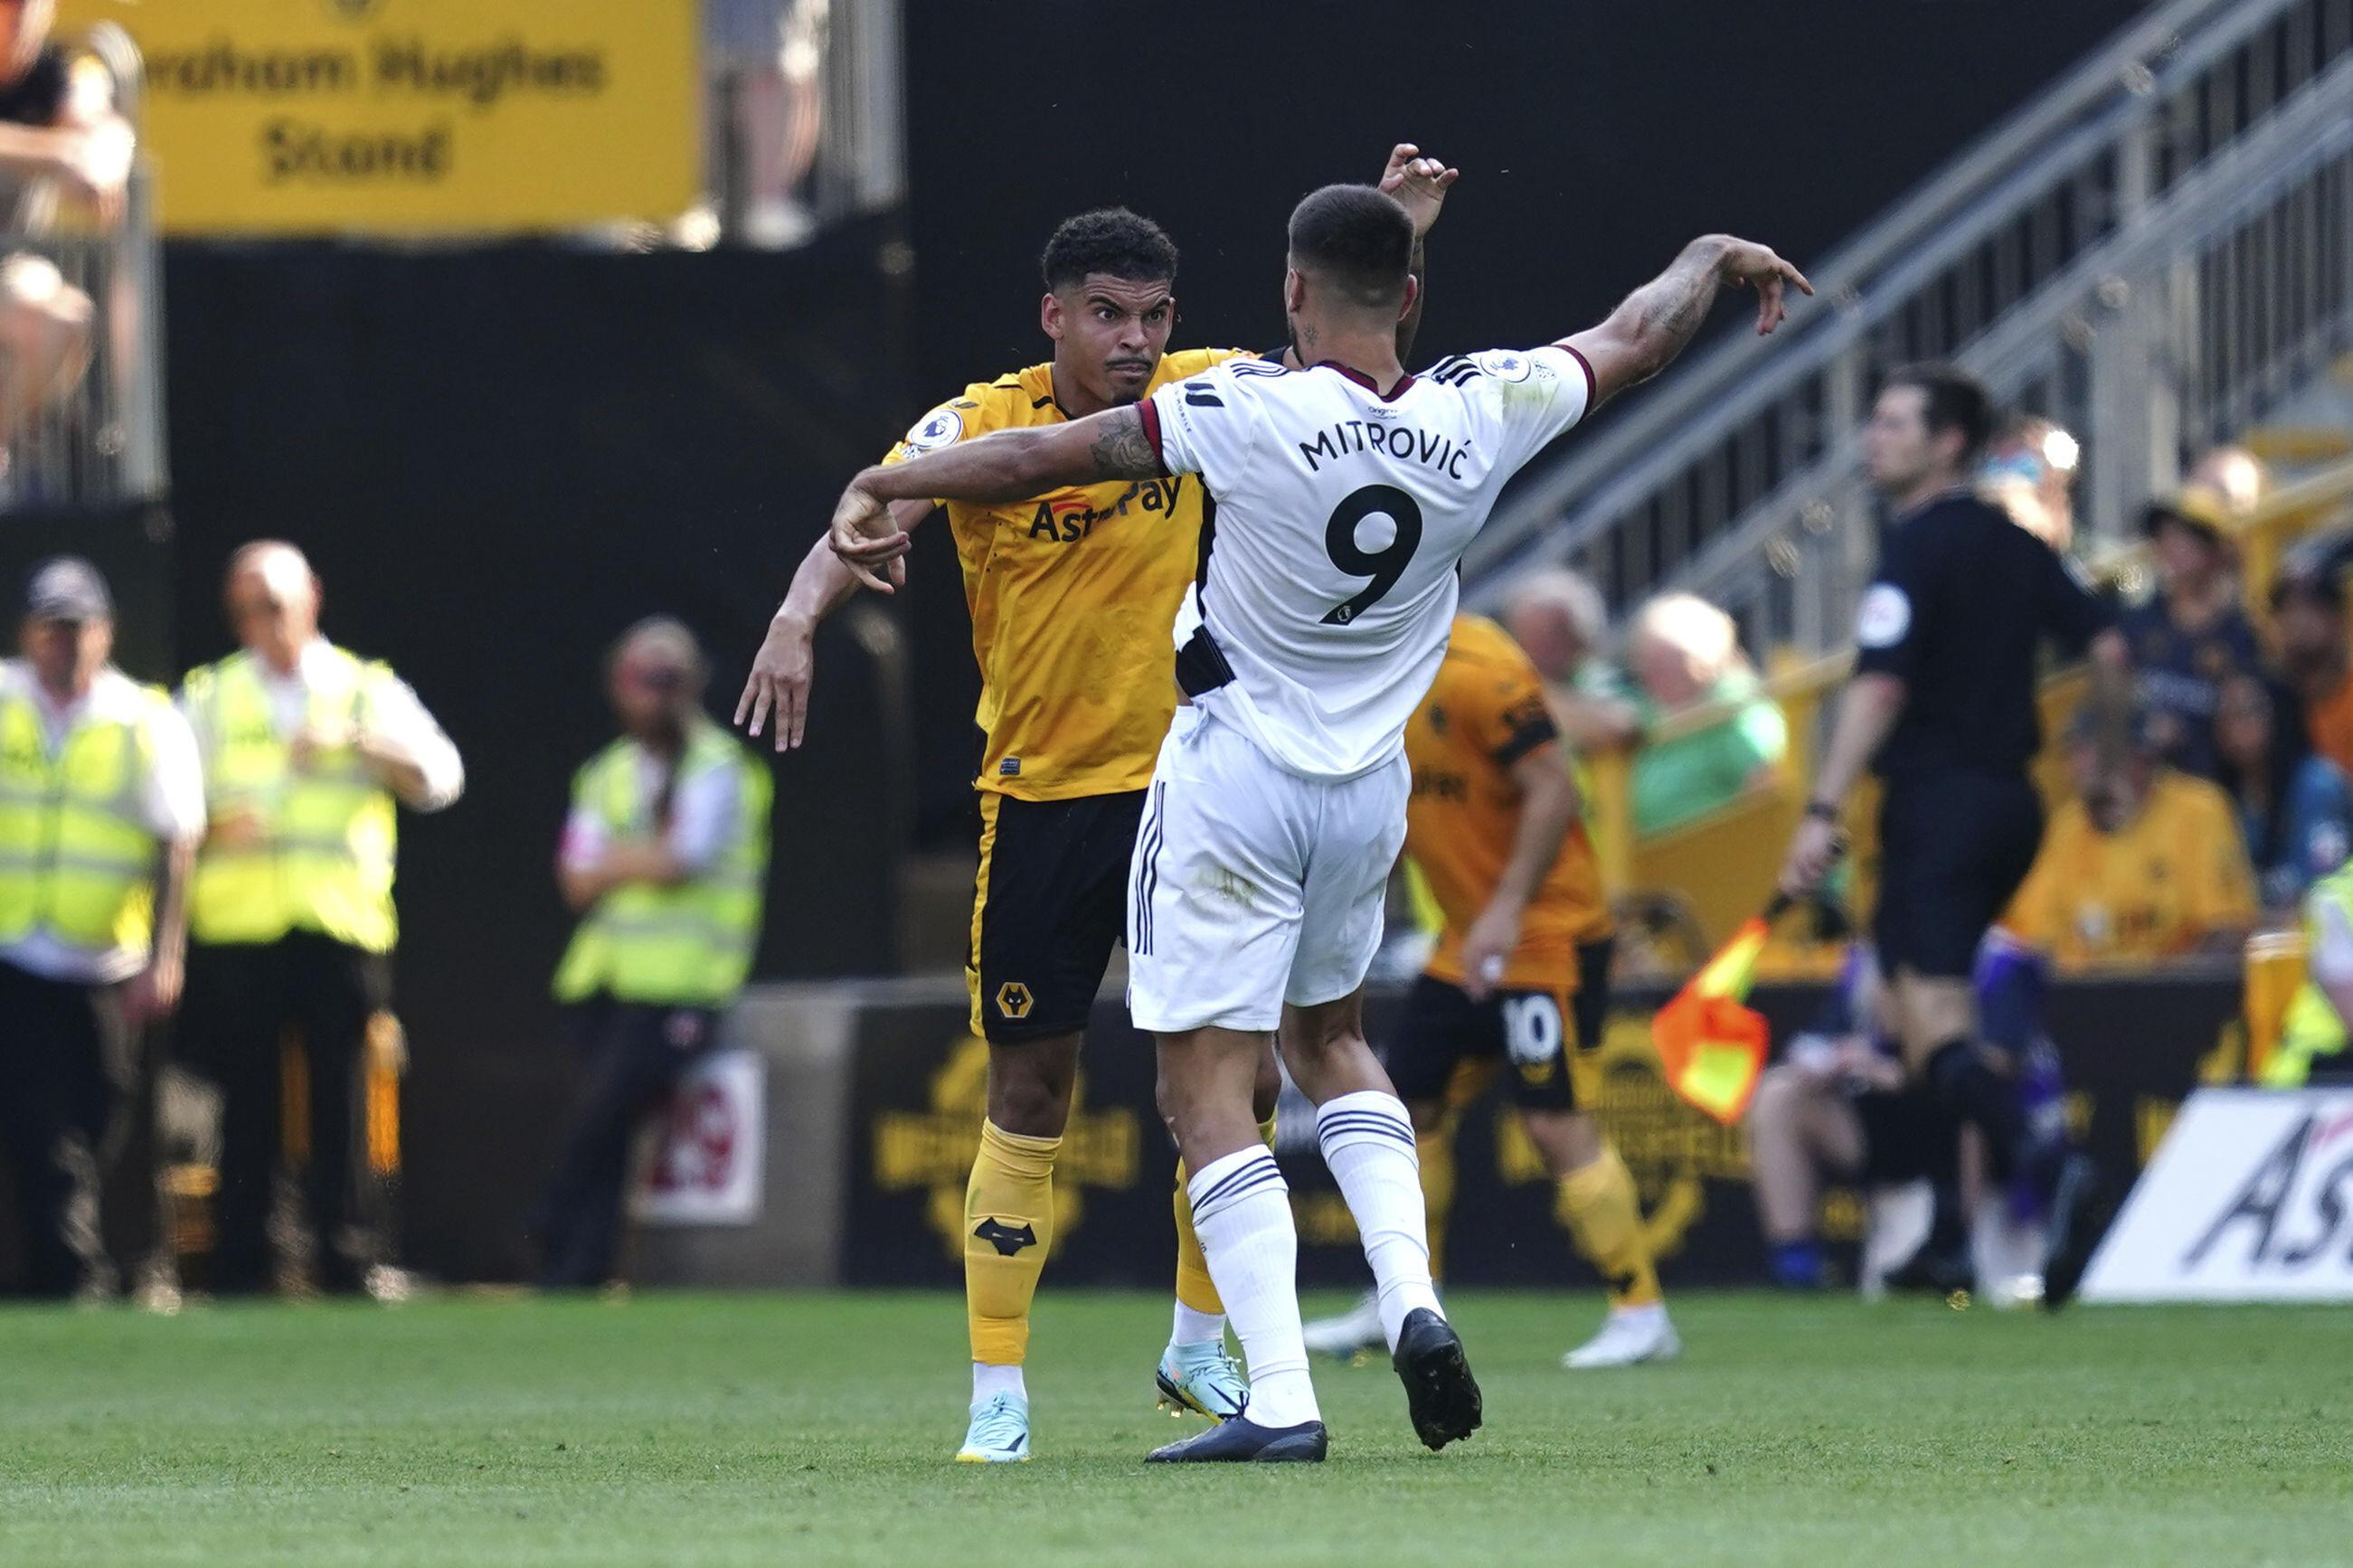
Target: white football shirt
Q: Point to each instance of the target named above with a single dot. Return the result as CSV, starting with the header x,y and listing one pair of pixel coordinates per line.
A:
x,y
1327,580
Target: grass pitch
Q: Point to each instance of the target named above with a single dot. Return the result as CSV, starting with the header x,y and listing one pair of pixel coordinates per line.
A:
x,y
817,1429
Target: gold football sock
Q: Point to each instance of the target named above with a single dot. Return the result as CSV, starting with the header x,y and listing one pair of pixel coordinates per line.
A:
x,y
1195,1288
1435,1150
1008,1227
1598,1205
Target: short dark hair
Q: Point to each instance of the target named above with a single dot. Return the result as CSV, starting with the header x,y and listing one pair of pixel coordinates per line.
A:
x,y
1357,239
1108,239
1951,399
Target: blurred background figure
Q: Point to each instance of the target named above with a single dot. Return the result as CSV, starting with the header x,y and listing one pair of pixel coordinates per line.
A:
x,y
2234,474
765,59
2312,1037
101,807
1687,655
2143,863
2296,807
45,337
1559,619
2307,601
60,140
308,749
664,857
2192,635
1836,1109
2030,472
59,134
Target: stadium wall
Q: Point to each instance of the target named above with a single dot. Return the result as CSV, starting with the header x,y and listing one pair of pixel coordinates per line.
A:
x,y
872,1192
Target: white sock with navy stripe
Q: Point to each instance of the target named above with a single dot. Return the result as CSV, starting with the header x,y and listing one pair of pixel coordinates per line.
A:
x,y
1368,1141
1241,1211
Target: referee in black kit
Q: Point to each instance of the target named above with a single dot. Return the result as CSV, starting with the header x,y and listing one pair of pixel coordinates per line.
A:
x,y
1942,705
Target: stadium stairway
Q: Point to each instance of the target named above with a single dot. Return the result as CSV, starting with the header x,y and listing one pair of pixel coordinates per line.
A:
x,y
2156,253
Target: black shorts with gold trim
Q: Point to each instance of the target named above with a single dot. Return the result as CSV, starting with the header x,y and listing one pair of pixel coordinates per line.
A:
x,y
1049,903
1530,1032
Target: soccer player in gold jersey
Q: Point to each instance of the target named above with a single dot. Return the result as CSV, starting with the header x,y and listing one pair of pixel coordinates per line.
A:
x,y
1519,979
1074,595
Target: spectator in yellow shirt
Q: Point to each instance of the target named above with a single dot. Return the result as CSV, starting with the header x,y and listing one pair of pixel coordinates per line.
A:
x,y
2143,864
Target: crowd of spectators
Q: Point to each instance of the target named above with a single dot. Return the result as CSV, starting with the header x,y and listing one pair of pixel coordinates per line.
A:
x,y
2230,793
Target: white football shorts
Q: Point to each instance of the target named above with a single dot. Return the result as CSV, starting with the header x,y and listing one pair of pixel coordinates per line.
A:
x,y
1252,887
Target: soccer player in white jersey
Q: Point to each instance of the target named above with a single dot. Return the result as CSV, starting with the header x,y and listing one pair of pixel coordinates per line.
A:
x,y
1346,492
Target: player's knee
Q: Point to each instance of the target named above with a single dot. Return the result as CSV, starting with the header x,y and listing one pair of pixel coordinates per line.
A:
x,y
1569,1141
1029,1086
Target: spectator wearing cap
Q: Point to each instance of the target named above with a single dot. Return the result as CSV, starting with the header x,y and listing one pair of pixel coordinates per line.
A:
x,y
2192,637
664,857
2295,807
101,807
308,749
1559,619
2307,601
2143,863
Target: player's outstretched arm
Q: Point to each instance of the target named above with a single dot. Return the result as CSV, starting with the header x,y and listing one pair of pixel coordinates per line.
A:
x,y
784,665
1652,325
1009,466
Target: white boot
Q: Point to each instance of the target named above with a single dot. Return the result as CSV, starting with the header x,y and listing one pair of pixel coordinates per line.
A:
x,y
1631,1336
1354,1332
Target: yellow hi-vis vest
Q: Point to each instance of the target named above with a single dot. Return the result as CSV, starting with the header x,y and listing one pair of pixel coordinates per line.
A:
x,y
77,856
2312,1027
324,861
688,945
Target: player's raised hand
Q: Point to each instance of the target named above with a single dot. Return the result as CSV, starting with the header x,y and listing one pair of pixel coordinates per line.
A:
x,y
1419,183
870,541
1748,262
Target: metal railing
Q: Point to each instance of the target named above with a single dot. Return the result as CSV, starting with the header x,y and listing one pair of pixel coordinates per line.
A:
x,y
102,443
2147,214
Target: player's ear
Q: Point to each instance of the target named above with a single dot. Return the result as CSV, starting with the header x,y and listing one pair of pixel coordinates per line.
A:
x,y
1049,315
1295,290
1413,292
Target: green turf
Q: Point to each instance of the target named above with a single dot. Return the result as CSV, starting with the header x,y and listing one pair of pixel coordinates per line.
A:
x,y
750,1429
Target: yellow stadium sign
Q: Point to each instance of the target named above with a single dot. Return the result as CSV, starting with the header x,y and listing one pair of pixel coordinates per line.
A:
x,y
414,116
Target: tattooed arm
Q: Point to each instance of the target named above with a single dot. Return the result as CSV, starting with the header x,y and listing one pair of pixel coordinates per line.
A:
x,y
1651,326
1009,466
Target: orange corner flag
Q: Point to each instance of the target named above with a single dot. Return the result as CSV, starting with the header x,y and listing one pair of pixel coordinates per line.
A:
x,y
1711,1046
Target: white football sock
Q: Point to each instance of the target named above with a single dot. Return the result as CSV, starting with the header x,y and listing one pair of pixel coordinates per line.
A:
x,y
1241,1211
1368,1141
1194,1327
989,1381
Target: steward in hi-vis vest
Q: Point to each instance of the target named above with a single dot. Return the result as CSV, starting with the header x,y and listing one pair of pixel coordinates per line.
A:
x,y
665,856
2313,1029
308,751
100,810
